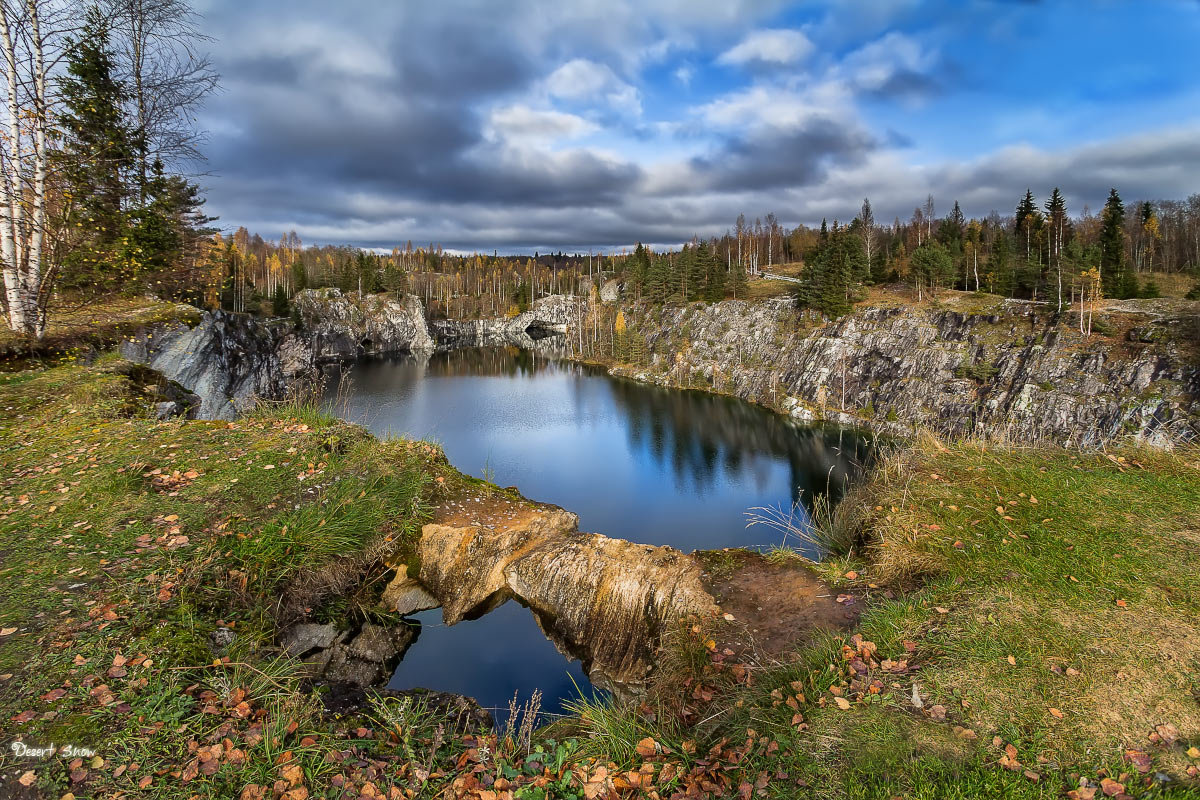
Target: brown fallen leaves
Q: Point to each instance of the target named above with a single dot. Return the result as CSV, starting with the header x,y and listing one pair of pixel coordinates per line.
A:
x,y
169,483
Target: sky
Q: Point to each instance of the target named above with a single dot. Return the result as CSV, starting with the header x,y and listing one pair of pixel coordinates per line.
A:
x,y
579,125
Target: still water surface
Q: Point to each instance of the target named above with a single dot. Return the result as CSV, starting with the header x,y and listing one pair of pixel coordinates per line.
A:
x,y
653,465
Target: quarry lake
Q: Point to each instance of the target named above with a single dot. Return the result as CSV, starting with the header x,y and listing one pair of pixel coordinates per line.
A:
x,y
634,461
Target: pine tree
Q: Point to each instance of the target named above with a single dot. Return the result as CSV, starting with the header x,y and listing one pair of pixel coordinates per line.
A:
x,y
738,284
1000,273
932,266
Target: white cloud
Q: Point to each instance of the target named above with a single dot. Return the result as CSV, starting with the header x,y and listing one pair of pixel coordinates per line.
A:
x,y
782,46
583,80
872,66
522,125
773,107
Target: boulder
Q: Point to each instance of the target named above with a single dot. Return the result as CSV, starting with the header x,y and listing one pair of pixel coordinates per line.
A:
x,y
306,637
379,644
610,291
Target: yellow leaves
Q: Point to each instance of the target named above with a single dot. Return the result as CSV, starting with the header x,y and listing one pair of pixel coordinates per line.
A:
x,y
1012,661
842,703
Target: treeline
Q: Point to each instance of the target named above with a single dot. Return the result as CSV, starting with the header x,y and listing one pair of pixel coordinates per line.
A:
x,y
249,273
1039,252
93,195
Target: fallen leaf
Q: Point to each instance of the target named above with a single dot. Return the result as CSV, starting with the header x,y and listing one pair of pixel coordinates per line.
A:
x,y
647,747
1111,788
7,631
1054,712
27,778
842,703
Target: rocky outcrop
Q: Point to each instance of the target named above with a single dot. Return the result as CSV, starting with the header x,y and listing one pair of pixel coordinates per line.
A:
x,y
1011,369
605,601
357,659
228,361
548,315
338,326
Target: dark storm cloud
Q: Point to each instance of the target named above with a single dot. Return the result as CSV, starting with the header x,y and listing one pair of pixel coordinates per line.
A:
x,y
773,159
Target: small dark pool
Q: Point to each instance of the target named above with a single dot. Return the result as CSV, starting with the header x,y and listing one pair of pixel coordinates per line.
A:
x,y
653,465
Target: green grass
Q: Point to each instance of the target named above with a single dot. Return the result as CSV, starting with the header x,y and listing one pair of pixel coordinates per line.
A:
x,y
129,539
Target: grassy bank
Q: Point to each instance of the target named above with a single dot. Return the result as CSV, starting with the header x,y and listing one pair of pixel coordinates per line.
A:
x,y
129,545
1040,605
1030,627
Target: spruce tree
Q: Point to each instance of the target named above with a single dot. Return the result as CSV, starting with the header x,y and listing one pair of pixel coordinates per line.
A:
x,y
94,158
714,274
1112,248
1028,218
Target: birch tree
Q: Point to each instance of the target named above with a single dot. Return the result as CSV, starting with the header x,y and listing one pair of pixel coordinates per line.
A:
x,y
33,38
167,75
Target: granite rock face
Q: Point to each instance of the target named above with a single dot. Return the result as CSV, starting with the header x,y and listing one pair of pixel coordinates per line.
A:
x,y
548,316
1012,371
228,361
339,326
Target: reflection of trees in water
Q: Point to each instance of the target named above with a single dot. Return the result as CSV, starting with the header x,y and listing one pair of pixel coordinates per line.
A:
x,y
700,435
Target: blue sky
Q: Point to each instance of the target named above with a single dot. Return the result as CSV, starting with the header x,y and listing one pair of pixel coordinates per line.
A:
x,y
525,125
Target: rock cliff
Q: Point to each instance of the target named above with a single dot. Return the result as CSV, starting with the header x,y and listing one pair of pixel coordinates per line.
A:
x,y
340,326
548,316
230,361
227,360
1008,368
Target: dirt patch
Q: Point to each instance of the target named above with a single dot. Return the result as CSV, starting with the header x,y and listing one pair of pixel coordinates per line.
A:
x,y
491,510
780,604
